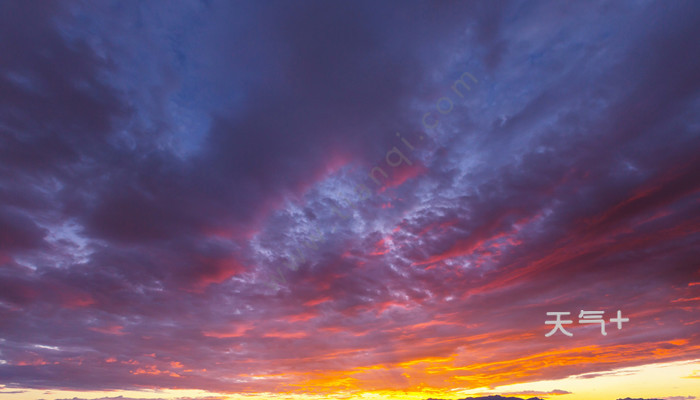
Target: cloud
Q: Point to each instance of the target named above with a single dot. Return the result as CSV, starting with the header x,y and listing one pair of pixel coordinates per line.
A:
x,y
530,393
680,398
179,203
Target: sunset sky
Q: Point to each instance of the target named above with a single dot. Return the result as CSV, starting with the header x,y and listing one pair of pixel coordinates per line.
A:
x,y
349,200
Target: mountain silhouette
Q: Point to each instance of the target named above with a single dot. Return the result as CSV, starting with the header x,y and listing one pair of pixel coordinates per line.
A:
x,y
629,398
500,398
518,398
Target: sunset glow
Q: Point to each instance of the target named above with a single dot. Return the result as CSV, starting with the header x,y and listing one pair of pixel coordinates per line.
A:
x,y
210,200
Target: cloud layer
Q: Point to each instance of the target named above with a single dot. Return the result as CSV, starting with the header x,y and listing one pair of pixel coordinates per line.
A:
x,y
304,197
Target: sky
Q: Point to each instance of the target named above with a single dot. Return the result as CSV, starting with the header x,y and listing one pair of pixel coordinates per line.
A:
x,y
349,200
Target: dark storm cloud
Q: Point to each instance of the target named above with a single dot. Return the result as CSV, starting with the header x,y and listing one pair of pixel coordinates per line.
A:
x,y
54,105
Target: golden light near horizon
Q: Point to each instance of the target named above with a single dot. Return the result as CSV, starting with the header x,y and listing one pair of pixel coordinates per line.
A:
x,y
645,381
680,379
